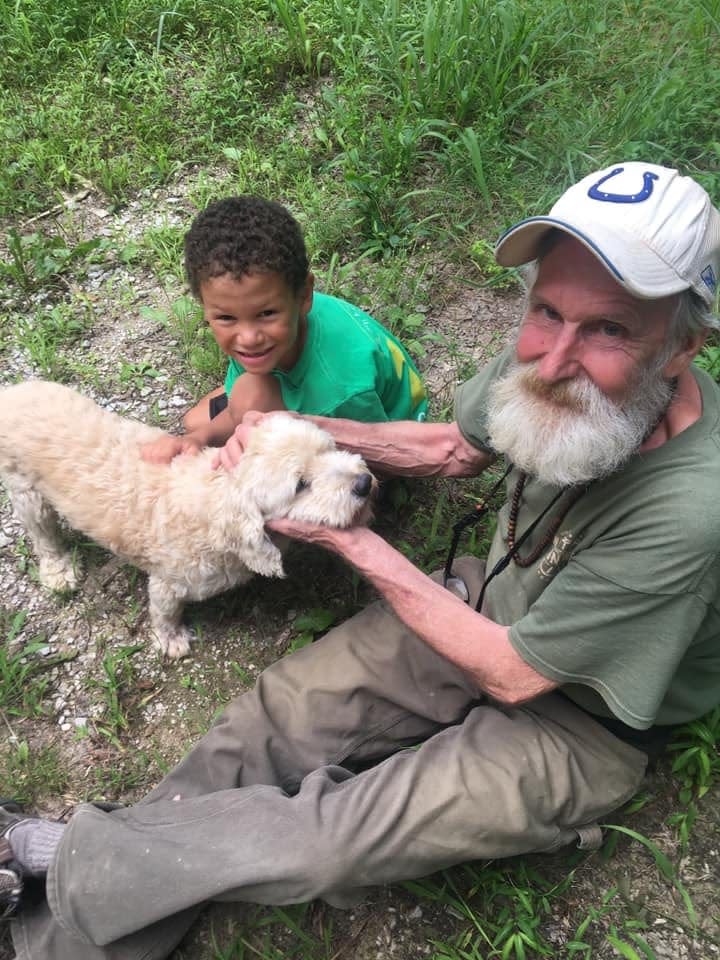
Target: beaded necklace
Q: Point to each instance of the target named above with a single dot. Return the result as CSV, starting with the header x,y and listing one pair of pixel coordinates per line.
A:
x,y
575,494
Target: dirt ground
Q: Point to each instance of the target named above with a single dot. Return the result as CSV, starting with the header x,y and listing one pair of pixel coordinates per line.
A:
x,y
165,706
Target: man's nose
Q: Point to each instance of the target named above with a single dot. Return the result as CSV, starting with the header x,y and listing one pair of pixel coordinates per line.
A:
x,y
561,360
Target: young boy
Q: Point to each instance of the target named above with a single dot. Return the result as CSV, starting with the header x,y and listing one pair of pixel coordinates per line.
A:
x,y
289,347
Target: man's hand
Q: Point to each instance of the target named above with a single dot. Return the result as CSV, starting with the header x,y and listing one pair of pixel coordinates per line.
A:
x,y
228,456
166,448
340,541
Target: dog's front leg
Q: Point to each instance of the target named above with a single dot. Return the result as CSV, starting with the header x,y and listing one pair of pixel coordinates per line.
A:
x,y
166,607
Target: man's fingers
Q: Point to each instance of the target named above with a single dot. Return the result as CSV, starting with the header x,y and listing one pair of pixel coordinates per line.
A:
x,y
221,459
252,418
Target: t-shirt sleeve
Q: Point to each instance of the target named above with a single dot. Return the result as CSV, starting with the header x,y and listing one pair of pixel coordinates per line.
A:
x,y
471,400
623,643
366,407
234,371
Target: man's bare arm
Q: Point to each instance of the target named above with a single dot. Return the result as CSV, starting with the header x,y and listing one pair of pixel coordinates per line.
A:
x,y
404,447
407,448
476,644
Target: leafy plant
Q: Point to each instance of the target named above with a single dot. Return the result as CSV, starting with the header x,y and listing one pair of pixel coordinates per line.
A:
x,y
709,359
696,749
36,259
137,373
197,346
310,624
23,669
502,910
493,275
45,334
117,678
299,35
662,862
28,773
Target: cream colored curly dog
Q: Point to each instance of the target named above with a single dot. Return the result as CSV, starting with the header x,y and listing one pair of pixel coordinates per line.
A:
x,y
195,530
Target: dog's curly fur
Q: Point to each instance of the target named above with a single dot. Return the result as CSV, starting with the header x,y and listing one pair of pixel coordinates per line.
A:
x,y
195,530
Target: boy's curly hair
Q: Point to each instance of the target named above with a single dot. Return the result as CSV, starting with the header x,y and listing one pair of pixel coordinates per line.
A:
x,y
241,235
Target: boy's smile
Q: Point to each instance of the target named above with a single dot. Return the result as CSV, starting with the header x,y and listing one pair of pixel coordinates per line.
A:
x,y
257,319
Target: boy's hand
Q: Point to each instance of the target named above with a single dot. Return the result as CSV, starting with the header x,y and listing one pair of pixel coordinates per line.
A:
x,y
166,448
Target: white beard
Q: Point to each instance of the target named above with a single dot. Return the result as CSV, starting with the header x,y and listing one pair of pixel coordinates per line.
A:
x,y
570,432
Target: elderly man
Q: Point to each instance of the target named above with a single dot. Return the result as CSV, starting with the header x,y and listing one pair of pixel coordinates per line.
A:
x,y
597,628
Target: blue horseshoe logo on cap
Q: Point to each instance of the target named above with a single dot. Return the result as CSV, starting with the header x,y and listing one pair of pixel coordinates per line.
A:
x,y
596,194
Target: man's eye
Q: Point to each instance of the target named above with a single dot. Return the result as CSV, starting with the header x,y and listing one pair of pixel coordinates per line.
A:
x,y
301,485
612,329
546,311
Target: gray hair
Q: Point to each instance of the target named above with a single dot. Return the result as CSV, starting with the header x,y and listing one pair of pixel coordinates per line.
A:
x,y
692,316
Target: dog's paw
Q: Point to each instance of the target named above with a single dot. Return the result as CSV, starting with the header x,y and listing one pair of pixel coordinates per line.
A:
x,y
58,573
174,644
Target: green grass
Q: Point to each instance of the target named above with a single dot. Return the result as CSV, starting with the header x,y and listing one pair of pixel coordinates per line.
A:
x,y
23,668
118,685
29,773
378,108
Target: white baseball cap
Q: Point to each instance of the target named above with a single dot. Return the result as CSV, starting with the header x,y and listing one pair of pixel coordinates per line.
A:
x,y
655,231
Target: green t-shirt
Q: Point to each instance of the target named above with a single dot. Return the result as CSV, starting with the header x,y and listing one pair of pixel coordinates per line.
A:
x,y
350,367
623,608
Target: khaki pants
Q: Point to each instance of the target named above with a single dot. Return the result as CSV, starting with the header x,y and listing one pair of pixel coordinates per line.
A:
x,y
313,785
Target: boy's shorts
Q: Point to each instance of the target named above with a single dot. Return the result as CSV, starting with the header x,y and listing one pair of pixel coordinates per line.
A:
x,y
218,404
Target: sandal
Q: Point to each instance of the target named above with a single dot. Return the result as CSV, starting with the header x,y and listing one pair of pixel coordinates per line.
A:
x,y
11,879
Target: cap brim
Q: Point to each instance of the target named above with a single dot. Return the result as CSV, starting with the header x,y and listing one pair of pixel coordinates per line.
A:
x,y
633,264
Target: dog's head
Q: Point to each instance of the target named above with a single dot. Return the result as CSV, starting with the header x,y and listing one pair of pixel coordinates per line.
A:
x,y
291,468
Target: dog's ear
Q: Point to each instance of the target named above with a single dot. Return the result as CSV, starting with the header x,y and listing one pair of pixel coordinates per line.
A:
x,y
253,545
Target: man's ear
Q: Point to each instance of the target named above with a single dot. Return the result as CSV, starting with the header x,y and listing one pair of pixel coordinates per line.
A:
x,y
684,355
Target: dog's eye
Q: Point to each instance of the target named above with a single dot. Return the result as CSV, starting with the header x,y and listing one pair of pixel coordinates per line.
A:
x,y
301,485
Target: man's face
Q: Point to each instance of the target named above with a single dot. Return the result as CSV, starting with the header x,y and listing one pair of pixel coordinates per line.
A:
x,y
581,323
591,377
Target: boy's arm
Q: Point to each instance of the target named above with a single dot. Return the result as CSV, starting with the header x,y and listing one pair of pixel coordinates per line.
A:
x,y
213,433
404,448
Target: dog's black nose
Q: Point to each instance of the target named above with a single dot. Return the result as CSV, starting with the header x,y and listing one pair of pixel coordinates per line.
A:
x,y
363,485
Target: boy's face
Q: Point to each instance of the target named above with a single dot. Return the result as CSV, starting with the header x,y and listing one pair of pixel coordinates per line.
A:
x,y
257,320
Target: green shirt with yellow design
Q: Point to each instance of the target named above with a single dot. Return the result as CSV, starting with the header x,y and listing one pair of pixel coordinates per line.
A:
x,y
350,367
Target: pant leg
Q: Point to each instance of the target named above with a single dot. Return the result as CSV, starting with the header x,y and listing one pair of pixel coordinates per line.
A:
x,y
279,815
38,936
367,689
500,783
